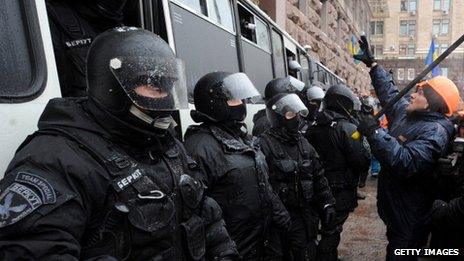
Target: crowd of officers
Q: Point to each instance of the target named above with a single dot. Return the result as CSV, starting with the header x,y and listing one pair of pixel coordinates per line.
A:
x,y
104,178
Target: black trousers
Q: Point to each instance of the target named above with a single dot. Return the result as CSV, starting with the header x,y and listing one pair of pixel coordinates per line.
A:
x,y
330,238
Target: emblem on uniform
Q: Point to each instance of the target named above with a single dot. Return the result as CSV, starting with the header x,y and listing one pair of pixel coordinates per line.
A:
x,y
22,197
16,202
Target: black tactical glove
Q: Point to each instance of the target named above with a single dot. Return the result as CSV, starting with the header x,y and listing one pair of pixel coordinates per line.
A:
x,y
367,124
366,56
439,210
328,217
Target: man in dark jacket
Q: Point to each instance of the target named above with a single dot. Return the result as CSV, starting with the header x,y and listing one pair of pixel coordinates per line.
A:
x,y
419,133
236,172
73,26
448,222
102,178
296,174
343,160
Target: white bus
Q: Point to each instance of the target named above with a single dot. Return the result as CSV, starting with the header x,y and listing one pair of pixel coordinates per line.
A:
x,y
209,35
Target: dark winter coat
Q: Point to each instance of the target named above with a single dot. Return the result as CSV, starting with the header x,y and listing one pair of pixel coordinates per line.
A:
x,y
343,157
408,153
74,191
236,175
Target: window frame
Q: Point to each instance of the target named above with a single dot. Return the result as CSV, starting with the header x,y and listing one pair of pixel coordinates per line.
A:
x,y
255,16
407,5
412,73
206,17
37,54
440,23
402,74
376,27
408,28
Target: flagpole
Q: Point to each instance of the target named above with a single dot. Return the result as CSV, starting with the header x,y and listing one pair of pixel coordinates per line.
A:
x,y
356,135
420,77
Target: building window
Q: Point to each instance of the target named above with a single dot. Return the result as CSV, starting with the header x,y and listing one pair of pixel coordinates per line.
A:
x,y
408,5
377,6
400,74
377,50
407,49
377,28
444,71
403,49
410,50
411,74
443,5
440,26
407,27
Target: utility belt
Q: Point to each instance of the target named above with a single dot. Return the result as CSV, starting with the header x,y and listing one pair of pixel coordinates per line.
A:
x,y
341,179
142,210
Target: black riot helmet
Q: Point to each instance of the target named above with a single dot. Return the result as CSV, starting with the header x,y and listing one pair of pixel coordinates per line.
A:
x,y
283,85
130,68
215,90
339,96
284,110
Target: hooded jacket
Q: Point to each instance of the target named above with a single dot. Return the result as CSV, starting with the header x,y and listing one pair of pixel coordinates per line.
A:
x,y
343,158
75,190
236,175
408,153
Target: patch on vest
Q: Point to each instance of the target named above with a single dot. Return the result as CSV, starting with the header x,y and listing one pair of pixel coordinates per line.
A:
x,y
46,190
16,202
124,182
78,43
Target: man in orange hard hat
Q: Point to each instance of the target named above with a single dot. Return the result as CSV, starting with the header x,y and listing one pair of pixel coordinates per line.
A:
x,y
419,133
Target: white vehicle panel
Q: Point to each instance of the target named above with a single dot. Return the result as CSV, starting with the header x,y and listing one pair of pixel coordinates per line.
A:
x,y
18,120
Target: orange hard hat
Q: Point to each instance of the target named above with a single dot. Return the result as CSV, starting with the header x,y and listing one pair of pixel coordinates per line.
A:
x,y
446,89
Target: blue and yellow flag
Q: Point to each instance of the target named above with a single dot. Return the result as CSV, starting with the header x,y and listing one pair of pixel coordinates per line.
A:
x,y
352,47
432,56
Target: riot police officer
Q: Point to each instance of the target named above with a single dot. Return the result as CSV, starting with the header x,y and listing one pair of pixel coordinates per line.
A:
x,y
236,172
313,101
103,178
296,174
343,157
260,120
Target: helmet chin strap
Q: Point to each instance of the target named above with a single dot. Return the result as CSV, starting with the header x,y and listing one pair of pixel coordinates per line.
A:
x,y
163,123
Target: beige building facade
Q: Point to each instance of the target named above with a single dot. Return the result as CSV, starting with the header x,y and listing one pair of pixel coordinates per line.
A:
x,y
401,32
326,26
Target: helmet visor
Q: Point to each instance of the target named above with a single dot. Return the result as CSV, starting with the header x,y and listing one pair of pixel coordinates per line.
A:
x,y
295,84
238,86
152,84
290,103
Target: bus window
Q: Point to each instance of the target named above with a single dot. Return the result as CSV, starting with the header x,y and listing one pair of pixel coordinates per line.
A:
x,y
262,34
304,69
278,52
322,75
23,69
254,29
199,6
220,12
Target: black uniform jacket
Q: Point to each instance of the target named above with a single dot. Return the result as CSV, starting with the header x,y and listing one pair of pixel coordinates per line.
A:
x,y
64,199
